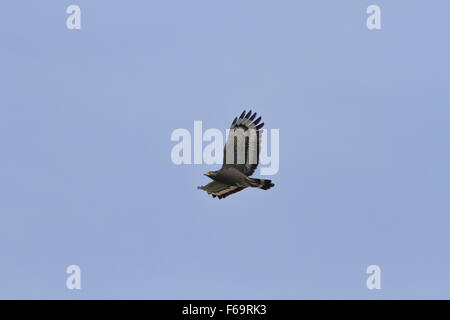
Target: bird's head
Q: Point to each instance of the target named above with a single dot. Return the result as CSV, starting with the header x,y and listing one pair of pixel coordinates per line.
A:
x,y
211,174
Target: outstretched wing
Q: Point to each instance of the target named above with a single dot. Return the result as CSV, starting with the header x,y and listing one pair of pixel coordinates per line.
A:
x,y
243,144
220,190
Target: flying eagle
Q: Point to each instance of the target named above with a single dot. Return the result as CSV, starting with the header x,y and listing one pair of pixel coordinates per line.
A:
x,y
240,159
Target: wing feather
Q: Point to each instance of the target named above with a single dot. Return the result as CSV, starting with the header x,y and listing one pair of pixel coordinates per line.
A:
x,y
220,190
243,144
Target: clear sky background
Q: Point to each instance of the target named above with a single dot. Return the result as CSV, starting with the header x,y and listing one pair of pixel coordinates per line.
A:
x,y
86,176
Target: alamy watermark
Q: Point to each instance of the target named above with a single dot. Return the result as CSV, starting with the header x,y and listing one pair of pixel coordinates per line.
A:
x,y
74,20
190,150
73,281
374,280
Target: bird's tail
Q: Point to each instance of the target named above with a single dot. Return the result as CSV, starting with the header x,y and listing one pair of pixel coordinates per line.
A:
x,y
261,183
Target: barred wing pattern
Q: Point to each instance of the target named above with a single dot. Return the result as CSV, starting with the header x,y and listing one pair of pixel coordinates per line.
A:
x,y
220,190
243,144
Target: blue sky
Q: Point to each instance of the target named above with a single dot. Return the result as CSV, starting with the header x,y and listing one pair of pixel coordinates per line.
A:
x,y
86,176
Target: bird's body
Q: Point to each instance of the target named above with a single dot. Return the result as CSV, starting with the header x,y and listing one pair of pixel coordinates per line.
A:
x,y
231,176
241,160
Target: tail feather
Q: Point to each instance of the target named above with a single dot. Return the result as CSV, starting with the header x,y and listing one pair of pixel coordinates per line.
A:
x,y
261,183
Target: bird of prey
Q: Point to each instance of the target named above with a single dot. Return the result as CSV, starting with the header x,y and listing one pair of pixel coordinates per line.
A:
x,y
240,159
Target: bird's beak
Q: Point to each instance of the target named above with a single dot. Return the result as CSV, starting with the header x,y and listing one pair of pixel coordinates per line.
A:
x,y
208,174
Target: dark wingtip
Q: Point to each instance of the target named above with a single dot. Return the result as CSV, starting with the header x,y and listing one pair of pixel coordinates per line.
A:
x,y
248,114
234,121
242,115
257,121
252,117
259,126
